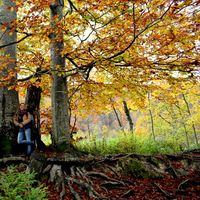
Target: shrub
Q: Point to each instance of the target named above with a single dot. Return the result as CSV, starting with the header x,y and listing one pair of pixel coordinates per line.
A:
x,y
15,185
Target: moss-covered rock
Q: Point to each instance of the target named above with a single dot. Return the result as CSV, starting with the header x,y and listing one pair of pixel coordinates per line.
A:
x,y
137,168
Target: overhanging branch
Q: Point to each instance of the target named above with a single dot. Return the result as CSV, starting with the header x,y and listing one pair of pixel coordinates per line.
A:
x,y
11,43
140,33
36,74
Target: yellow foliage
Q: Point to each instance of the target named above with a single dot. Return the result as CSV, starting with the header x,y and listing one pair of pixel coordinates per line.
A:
x,y
141,127
135,46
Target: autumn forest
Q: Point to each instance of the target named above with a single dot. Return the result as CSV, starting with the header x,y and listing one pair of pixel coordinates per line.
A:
x,y
111,90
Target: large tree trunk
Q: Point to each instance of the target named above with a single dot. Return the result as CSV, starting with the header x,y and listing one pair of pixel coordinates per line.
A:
x,y
8,97
61,131
33,97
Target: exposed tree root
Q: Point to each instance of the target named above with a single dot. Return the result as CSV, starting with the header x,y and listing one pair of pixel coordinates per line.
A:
x,y
171,170
100,176
110,184
90,190
188,183
57,176
13,160
74,193
169,196
88,177
128,194
183,184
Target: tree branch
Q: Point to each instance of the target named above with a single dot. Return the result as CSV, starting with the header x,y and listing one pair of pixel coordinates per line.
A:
x,y
11,43
34,75
140,33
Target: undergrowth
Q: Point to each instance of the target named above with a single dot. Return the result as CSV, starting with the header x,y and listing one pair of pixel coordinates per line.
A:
x,y
129,143
15,185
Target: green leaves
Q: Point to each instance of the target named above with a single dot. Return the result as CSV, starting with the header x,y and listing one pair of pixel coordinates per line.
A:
x,y
19,186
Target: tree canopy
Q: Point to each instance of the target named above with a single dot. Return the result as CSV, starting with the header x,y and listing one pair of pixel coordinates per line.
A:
x,y
111,49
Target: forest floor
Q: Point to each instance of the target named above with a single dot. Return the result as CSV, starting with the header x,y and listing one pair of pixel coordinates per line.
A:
x,y
115,186
137,188
120,177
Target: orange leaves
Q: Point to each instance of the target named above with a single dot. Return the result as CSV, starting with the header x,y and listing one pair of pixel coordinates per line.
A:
x,y
149,38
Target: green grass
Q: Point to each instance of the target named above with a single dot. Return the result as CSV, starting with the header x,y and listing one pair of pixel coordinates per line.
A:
x,y
125,142
128,143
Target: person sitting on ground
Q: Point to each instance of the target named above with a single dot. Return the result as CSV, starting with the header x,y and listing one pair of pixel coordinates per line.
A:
x,y
23,120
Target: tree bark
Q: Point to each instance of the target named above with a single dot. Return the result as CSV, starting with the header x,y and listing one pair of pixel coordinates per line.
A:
x,y
184,125
33,97
152,120
128,115
8,97
190,114
118,119
61,131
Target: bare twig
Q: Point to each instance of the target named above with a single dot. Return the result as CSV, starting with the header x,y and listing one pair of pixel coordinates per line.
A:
x,y
163,191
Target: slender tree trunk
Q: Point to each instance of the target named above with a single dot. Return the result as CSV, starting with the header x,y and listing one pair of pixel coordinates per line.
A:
x,y
118,119
151,118
88,127
190,114
173,121
61,130
8,97
186,136
128,115
152,124
184,126
117,115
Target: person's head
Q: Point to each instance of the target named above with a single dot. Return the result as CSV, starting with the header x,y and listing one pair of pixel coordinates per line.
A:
x,y
22,106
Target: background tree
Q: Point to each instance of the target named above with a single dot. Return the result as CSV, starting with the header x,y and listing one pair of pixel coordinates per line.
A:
x,y
111,49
